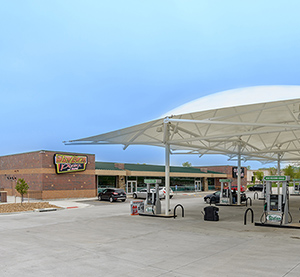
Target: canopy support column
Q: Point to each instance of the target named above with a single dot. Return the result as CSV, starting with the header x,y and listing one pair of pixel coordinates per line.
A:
x,y
167,165
167,177
278,172
278,164
239,176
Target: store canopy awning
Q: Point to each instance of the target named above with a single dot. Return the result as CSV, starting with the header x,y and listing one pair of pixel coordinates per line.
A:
x,y
260,123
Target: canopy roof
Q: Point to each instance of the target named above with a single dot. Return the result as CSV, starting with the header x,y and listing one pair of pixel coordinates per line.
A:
x,y
264,131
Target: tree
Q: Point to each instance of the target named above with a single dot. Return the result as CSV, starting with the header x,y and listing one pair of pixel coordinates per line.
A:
x,y
289,171
259,175
187,164
273,171
297,173
22,187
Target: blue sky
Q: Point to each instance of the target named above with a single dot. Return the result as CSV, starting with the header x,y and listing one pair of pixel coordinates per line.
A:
x,y
71,69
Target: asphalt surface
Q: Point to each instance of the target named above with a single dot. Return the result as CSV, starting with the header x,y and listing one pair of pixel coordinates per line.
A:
x,y
94,238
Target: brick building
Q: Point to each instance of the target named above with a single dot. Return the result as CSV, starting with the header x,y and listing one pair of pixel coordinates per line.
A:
x,y
231,172
131,177
52,175
39,171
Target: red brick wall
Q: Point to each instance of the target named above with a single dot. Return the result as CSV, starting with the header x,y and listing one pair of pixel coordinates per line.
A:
x,y
27,166
38,170
228,170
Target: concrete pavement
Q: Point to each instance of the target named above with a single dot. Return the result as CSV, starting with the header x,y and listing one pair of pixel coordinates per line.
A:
x,y
103,239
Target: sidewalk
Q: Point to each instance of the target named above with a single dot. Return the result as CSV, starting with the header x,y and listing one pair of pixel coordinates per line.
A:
x,y
63,203
72,203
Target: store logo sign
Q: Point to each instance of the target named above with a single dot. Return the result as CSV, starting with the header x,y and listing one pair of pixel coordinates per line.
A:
x,y
69,163
274,218
235,172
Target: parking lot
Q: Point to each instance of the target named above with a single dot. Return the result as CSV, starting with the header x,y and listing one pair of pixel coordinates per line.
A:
x,y
103,239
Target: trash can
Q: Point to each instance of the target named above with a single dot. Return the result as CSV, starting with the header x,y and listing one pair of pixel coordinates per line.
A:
x,y
211,213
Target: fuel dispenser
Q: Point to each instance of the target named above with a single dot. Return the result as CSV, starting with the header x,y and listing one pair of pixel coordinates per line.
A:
x,y
152,202
226,194
296,186
276,205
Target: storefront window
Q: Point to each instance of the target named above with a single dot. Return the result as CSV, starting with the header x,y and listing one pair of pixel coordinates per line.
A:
x,y
182,183
131,178
141,181
106,181
211,183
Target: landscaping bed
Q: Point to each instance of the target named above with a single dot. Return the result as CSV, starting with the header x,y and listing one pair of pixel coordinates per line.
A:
x,y
18,207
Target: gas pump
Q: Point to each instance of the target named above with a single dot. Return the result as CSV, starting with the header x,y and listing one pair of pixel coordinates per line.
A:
x,y
276,205
296,185
152,202
226,194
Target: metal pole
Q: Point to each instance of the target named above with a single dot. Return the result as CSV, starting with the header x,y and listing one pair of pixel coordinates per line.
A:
x,y
278,172
167,177
278,165
239,176
167,164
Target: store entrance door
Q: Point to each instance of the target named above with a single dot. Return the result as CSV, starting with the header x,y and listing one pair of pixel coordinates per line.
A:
x,y
198,186
131,187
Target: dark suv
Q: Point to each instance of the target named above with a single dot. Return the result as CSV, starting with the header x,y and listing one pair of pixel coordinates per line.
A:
x,y
112,194
256,187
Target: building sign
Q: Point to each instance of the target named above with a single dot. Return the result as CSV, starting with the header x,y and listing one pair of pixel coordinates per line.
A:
x,y
152,181
225,180
69,163
235,172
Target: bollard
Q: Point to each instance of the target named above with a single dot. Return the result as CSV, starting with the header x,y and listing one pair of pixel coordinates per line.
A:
x,y
182,210
245,216
247,201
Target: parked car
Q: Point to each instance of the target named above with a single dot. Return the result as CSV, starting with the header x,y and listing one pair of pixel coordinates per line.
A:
x,y
143,192
234,187
112,194
140,194
216,196
259,187
164,191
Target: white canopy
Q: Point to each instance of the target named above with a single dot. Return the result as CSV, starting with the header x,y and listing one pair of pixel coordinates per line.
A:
x,y
260,123
237,121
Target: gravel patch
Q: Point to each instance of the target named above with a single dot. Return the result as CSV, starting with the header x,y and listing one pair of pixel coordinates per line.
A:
x,y
18,207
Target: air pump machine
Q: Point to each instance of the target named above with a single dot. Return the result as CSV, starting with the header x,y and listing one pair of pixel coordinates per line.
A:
x,y
276,205
226,195
152,201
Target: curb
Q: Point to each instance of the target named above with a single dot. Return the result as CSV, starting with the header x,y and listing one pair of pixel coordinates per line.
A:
x,y
45,210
